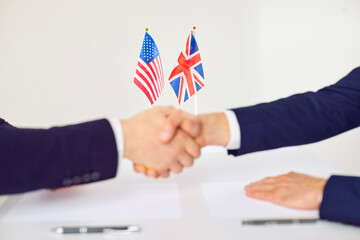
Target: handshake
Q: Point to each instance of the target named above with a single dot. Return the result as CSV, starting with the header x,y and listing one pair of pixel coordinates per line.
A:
x,y
165,139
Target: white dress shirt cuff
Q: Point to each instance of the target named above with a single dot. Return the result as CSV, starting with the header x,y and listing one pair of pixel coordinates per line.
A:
x,y
235,136
119,138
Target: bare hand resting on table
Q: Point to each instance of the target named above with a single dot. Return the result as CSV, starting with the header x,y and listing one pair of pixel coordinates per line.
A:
x,y
293,190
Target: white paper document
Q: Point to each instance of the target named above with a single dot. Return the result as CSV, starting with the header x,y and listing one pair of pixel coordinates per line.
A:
x,y
228,200
99,202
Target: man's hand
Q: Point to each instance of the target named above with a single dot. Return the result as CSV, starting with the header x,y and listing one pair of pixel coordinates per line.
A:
x,y
215,130
144,148
207,129
179,119
292,190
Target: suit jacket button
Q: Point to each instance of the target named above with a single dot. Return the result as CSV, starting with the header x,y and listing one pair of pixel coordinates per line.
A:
x,y
76,180
95,176
86,178
67,182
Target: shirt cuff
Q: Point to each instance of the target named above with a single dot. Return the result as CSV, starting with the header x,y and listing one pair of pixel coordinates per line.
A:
x,y
119,138
235,136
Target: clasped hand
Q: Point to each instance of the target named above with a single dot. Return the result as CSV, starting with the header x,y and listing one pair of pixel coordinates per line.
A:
x,y
165,139
162,140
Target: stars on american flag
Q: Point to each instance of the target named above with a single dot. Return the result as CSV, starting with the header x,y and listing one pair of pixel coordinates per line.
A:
x,y
149,50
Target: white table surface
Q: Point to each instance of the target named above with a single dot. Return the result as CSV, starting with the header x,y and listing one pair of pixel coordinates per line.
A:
x,y
196,222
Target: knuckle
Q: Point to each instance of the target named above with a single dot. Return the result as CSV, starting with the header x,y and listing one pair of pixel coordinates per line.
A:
x,y
283,177
178,110
167,109
279,194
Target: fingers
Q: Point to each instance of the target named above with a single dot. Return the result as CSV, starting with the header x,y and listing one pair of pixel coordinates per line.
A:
x,y
140,168
259,190
176,167
180,151
165,174
170,126
186,160
189,150
178,118
267,192
266,189
191,125
265,184
192,148
258,195
260,187
150,172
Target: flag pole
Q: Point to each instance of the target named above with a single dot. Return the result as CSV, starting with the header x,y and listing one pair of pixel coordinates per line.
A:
x,y
147,29
195,111
195,104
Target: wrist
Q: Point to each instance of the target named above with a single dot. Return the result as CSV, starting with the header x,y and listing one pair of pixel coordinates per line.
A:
x,y
215,129
127,138
320,190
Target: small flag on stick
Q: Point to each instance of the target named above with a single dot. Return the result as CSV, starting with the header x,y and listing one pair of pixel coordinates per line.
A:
x,y
188,76
149,76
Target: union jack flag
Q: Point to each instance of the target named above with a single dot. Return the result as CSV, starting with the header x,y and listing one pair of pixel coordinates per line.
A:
x,y
188,76
149,75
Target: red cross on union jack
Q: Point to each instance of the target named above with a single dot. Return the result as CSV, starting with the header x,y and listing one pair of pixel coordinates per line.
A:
x,y
188,76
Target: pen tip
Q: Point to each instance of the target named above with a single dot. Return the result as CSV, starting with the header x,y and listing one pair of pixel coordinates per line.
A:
x,y
57,230
134,228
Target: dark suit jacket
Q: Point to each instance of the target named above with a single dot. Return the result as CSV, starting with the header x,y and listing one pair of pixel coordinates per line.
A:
x,y
306,118
32,159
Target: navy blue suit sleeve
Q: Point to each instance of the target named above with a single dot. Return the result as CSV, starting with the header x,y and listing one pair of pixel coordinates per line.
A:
x,y
341,200
306,118
32,159
302,118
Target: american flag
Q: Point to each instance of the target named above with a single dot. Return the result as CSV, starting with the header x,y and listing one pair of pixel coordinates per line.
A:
x,y
188,76
149,75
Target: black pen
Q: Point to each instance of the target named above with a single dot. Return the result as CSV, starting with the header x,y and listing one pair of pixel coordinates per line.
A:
x,y
98,229
279,221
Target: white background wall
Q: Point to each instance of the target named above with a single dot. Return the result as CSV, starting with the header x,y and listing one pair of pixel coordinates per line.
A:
x,y
66,61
